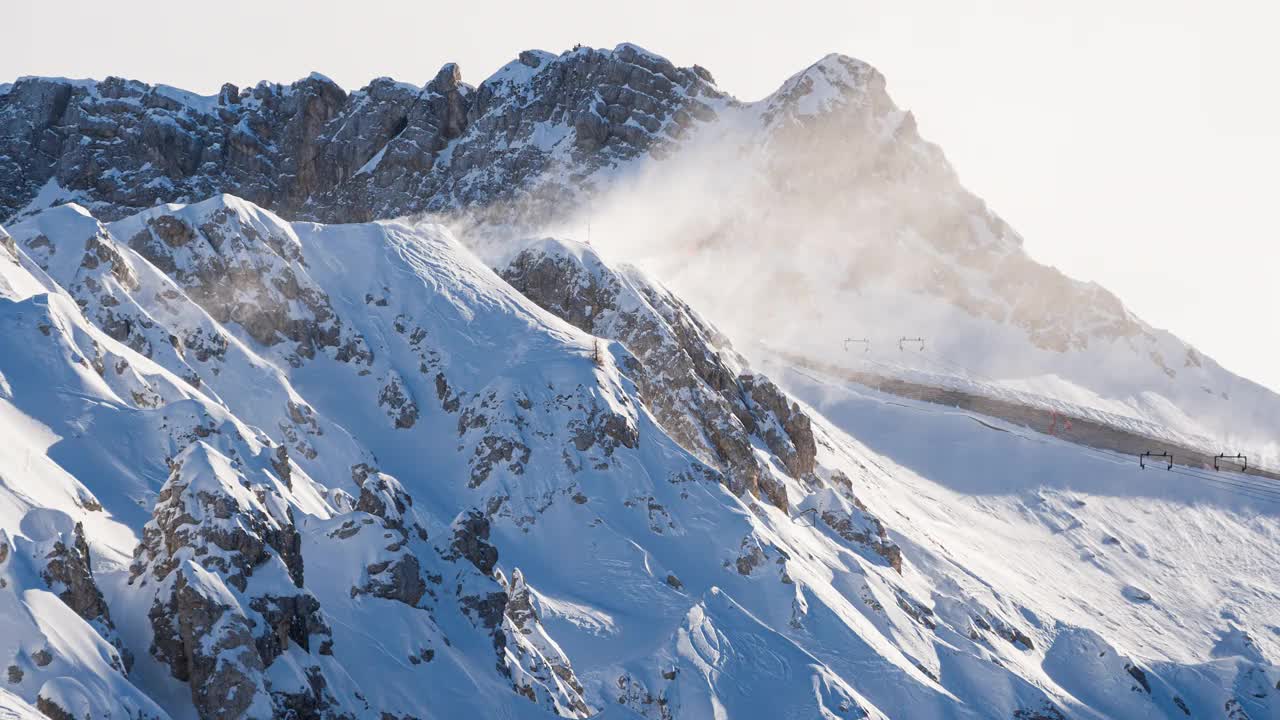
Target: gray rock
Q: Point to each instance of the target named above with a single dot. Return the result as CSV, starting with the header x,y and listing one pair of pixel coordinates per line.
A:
x,y
222,650
471,541
67,570
685,370
309,149
7,243
204,643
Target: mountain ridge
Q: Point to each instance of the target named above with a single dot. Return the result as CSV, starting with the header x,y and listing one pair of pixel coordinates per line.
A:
x,y
453,462
670,168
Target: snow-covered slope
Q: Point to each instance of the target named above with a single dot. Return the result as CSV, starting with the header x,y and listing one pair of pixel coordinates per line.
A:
x,y
819,215
712,194
256,468
253,467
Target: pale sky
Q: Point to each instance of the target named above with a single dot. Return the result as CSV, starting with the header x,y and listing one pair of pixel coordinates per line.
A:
x,y
1131,142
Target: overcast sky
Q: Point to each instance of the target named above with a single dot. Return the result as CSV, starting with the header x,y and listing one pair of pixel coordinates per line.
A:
x,y
1132,142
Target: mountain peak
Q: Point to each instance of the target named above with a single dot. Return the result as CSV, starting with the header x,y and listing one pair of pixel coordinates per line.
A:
x,y
832,82
447,79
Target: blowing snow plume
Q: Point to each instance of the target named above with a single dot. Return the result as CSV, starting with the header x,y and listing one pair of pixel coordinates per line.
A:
x,y
259,465
819,214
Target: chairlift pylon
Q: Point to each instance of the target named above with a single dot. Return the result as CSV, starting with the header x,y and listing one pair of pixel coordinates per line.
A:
x,y
1241,459
904,340
865,342
1148,454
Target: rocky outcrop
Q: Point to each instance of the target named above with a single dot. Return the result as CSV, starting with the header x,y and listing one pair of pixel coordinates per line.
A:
x,y
526,655
396,574
838,510
222,559
690,377
247,269
524,134
538,668
103,283
8,245
206,643
470,542
311,149
165,145
493,428
57,551
785,428
68,572
637,697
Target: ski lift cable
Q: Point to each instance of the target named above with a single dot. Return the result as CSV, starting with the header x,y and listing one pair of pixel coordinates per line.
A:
x,y
1268,491
1255,481
1241,488
1245,490
1240,459
1155,455
1271,490
1258,483
1264,484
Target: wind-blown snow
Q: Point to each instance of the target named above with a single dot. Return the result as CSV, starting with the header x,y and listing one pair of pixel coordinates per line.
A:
x,y
239,413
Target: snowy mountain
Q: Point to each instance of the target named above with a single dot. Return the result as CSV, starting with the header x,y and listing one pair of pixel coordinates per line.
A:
x,y
255,465
707,192
310,149
819,215
263,469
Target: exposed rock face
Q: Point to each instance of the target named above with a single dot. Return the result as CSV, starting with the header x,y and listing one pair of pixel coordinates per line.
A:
x,y
248,534
68,572
102,282
538,668
311,149
529,130
636,696
384,496
397,573
690,377
874,537
51,709
245,270
842,513
8,245
210,646
166,144
492,428
527,655
783,425
57,551
224,559
471,542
